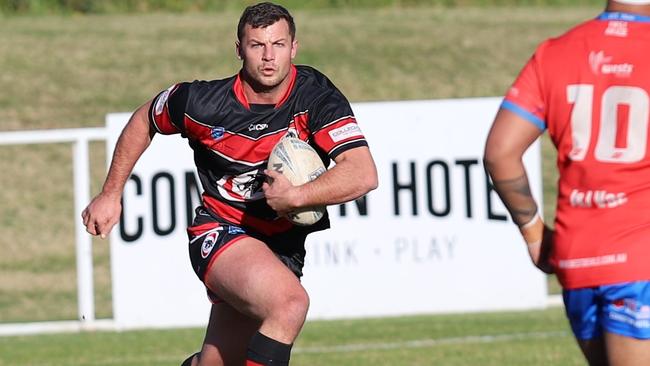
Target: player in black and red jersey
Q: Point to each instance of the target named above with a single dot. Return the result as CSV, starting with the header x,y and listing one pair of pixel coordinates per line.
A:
x,y
242,247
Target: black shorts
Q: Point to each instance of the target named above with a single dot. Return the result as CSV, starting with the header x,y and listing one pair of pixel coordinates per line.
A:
x,y
209,236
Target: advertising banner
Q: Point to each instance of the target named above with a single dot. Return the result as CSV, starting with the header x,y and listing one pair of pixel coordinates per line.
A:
x,y
433,238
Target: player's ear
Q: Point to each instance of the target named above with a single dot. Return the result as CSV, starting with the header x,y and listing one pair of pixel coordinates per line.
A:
x,y
294,48
238,50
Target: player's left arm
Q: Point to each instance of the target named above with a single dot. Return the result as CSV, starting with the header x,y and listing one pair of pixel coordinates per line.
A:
x,y
353,176
509,138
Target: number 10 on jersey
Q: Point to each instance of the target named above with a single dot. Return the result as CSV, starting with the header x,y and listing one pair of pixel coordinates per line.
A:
x,y
638,103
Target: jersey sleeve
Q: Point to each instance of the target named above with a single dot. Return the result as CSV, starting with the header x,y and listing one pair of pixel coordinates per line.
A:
x,y
167,111
333,125
525,97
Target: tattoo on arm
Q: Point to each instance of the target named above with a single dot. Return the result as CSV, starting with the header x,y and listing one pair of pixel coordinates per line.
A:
x,y
516,196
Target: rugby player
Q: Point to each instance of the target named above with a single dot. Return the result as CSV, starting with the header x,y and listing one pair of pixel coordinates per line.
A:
x,y
248,255
590,88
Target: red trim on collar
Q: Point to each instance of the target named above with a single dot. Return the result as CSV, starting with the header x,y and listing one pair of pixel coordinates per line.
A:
x,y
238,89
239,92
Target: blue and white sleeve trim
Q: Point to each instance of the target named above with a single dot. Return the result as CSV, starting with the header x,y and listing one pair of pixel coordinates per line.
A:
x,y
512,107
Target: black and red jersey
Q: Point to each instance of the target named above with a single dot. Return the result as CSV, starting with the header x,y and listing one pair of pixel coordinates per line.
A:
x,y
232,140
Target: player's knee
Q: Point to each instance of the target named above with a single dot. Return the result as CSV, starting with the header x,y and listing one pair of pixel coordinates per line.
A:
x,y
292,309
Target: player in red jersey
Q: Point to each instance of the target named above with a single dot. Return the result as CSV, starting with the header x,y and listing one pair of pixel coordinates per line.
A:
x,y
248,255
591,89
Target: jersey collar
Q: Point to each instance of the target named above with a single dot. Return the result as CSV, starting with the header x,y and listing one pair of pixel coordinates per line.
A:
x,y
627,17
241,97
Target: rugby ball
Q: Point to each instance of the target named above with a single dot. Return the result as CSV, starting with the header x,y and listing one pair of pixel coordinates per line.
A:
x,y
300,163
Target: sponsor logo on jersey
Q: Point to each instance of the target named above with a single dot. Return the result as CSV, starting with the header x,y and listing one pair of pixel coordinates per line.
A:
x,y
616,28
596,198
232,229
258,126
162,100
345,132
604,260
601,64
208,244
623,70
217,132
597,59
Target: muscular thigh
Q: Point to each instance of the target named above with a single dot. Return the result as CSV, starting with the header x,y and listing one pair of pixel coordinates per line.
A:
x,y
250,277
249,271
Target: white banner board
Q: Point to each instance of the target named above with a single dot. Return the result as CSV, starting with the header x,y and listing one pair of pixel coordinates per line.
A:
x,y
432,238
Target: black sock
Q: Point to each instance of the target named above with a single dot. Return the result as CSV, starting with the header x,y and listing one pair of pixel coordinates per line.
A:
x,y
266,351
188,361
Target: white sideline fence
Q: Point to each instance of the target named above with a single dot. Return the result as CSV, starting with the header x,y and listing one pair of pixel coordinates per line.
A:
x,y
80,138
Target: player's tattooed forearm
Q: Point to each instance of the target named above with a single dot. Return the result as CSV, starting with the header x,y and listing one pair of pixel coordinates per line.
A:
x,y
517,197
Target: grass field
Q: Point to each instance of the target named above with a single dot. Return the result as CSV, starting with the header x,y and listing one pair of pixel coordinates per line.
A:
x,y
495,339
69,71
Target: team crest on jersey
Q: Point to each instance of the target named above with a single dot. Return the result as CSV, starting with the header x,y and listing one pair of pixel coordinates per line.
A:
x,y
208,243
217,132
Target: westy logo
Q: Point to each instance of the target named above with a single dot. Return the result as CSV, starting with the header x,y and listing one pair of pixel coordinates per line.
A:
x,y
217,132
347,131
597,59
600,64
208,243
258,127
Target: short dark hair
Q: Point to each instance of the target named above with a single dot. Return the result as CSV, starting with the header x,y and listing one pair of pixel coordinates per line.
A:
x,y
262,15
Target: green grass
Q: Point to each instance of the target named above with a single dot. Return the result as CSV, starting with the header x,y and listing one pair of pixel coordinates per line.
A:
x,y
69,71
499,339
138,6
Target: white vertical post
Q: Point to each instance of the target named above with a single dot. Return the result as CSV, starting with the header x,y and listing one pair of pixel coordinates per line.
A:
x,y
85,284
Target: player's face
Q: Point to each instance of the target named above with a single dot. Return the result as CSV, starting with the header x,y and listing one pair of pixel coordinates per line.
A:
x,y
267,53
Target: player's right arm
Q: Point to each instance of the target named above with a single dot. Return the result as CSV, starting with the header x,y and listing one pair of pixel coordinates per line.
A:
x,y
509,138
104,210
520,121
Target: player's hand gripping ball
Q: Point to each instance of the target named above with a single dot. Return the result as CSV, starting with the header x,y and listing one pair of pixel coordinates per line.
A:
x,y
300,163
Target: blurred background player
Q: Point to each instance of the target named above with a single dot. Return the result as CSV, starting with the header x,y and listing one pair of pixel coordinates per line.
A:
x,y
247,254
591,89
